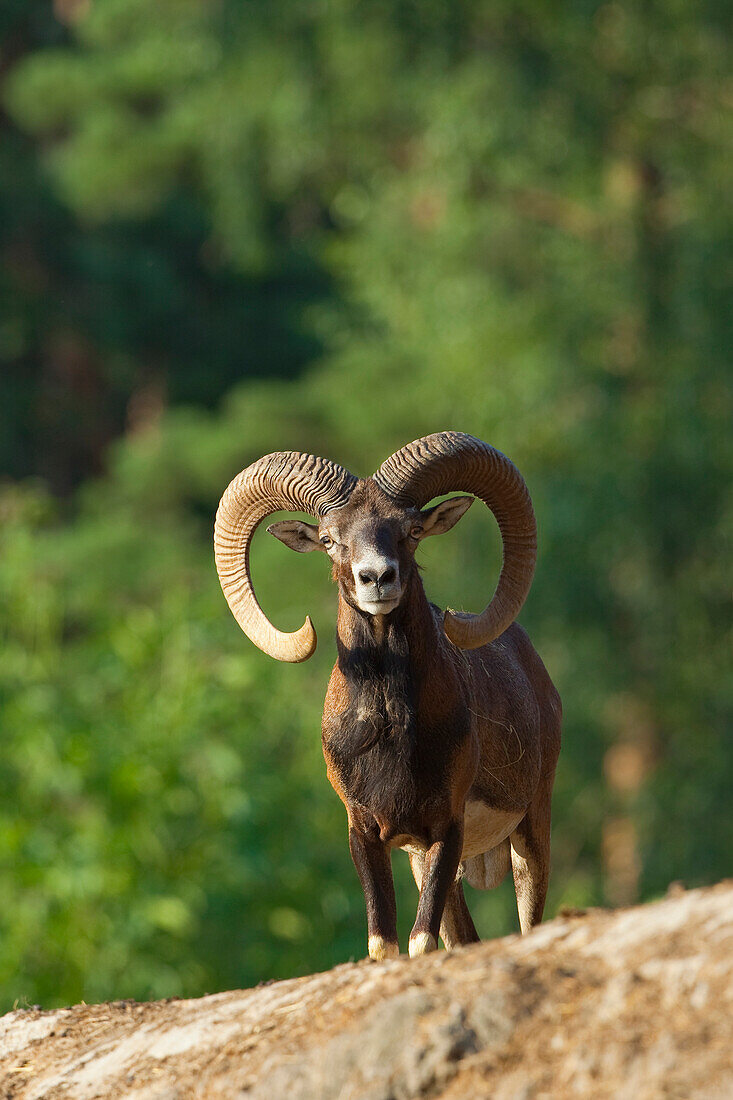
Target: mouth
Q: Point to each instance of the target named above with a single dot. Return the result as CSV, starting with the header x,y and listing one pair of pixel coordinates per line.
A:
x,y
379,607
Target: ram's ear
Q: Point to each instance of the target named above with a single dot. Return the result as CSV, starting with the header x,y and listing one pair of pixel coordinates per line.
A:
x,y
298,535
437,520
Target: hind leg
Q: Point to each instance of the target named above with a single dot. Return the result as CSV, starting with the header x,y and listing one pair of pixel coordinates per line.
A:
x,y
530,852
456,926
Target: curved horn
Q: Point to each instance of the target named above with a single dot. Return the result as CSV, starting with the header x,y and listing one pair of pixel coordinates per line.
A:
x,y
450,461
289,481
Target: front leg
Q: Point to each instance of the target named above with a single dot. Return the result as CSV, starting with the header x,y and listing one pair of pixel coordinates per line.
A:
x,y
372,861
439,873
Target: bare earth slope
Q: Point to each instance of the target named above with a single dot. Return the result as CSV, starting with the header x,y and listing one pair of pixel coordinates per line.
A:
x,y
636,1003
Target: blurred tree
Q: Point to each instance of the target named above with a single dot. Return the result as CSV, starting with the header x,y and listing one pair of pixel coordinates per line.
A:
x,y
524,212
106,322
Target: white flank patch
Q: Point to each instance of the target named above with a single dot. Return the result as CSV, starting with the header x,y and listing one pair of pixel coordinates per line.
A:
x,y
484,828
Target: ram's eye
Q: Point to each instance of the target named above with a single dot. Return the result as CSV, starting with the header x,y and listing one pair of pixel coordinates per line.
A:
x,y
327,541
416,531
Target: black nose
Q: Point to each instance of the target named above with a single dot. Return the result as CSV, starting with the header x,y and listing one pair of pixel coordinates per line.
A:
x,y
369,576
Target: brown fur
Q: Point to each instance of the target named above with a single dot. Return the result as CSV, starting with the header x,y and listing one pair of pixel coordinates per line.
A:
x,y
414,728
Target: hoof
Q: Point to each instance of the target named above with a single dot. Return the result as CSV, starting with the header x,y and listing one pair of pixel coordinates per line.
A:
x,y
422,943
379,948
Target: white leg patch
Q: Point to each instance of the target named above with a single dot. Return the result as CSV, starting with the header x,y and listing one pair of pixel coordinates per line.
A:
x,y
379,948
422,943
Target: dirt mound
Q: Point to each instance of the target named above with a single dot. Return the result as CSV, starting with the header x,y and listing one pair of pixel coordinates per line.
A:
x,y
636,1003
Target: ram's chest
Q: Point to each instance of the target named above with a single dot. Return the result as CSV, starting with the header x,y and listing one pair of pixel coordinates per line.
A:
x,y
381,779
385,750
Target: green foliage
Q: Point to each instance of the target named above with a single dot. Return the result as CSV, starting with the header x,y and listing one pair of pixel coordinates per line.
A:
x,y
156,787
502,219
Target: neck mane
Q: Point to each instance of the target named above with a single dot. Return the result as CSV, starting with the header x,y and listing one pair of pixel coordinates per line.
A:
x,y
367,643
384,664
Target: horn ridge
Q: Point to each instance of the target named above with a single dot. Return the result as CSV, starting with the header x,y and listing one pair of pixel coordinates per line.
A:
x,y
287,481
454,461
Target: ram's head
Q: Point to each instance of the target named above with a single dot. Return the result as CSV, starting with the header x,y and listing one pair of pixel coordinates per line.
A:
x,y
370,529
